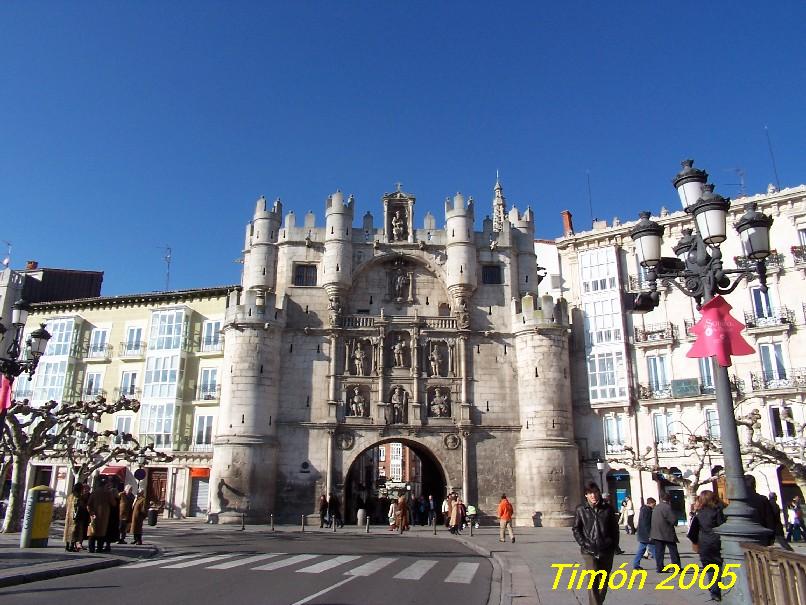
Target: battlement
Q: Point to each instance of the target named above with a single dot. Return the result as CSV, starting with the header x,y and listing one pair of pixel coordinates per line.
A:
x,y
530,311
254,306
262,209
458,208
335,204
522,222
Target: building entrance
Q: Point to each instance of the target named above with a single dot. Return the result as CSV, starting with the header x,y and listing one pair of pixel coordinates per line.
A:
x,y
387,470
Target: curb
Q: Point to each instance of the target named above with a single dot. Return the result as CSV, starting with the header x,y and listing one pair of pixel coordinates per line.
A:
x,y
499,587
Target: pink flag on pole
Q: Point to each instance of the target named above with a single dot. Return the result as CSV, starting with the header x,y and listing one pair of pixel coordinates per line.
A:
x,y
718,333
5,393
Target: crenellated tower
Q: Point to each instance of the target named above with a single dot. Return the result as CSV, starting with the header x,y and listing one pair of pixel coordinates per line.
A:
x,y
523,231
461,250
337,262
260,247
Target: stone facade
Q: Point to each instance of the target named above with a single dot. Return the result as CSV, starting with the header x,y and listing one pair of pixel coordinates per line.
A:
x,y
342,338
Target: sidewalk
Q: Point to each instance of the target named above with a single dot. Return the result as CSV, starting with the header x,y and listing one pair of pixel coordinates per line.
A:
x,y
22,565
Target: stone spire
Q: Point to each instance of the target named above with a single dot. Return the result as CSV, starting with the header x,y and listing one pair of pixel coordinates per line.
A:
x,y
499,205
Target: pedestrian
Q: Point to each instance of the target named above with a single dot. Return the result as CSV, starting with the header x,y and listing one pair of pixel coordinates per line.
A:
x,y
596,531
334,510
642,533
139,511
323,518
432,511
662,532
76,519
98,506
505,519
795,521
627,515
393,516
403,513
705,541
113,525
779,526
125,501
457,516
446,510
762,511
422,515
471,513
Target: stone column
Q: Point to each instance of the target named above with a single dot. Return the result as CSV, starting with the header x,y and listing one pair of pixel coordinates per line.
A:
x,y
329,472
465,466
332,367
415,411
463,367
381,377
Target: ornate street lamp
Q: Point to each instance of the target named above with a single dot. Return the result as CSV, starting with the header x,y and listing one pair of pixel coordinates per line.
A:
x,y
697,272
600,466
11,366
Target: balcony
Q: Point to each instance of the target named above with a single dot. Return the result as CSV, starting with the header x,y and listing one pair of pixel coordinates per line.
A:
x,y
102,352
659,391
209,345
201,447
685,387
688,324
208,392
615,448
92,392
790,378
799,255
660,334
128,393
774,262
132,350
781,318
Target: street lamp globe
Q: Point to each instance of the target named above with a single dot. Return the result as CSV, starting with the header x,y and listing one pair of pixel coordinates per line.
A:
x,y
38,341
754,230
711,213
684,246
689,183
647,236
19,313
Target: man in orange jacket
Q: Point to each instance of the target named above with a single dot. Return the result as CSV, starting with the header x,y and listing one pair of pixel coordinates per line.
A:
x,y
505,518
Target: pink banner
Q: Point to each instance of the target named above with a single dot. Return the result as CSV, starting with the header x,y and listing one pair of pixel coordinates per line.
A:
x,y
718,333
5,393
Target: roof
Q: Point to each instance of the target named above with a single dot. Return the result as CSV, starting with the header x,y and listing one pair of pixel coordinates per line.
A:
x,y
146,297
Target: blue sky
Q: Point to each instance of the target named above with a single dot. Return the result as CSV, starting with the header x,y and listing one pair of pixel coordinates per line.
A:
x,y
127,126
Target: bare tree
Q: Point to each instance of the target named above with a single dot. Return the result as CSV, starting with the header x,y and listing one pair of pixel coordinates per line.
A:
x,y
65,431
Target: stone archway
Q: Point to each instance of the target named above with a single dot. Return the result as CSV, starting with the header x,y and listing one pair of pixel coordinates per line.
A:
x,y
362,488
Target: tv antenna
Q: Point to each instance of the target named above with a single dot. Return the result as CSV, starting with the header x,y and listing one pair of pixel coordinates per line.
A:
x,y
167,258
772,158
590,197
740,174
7,259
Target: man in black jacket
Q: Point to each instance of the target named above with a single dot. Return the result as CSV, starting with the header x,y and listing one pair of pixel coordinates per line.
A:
x,y
597,533
642,533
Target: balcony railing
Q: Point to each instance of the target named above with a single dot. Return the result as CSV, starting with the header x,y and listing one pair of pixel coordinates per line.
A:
x,y
440,323
92,392
659,391
102,352
655,332
788,378
201,447
128,393
774,261
208,392
211,346
774,317
666,391
615,448
775,576
359,321
132,349
799,255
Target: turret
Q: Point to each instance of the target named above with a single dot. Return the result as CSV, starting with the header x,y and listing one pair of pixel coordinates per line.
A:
x,y
337,262
260,247
460,247
523,231
499,206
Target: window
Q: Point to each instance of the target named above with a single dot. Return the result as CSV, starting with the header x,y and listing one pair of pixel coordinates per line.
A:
x,y
92,384
606,376
123,424
382,453
162,375
772,362
397,451
83,438
396,470
802,237
49,381
602,321
305,275
98,344
761,302
167,329
712,424
491,274
614,433
61,340
211,336
782,425
665,426
706,374
598,270
204,429
208,384
134,341
128,383
658,370
156,424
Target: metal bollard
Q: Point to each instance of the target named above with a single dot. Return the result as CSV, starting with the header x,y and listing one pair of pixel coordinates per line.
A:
x,y
435,526
303,524
271,520
367,523
333,523
471,530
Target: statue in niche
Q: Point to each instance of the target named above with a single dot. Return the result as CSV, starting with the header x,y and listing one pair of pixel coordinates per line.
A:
x,y
440,407
358,403
401,284
399,353
435,360
462,314
334,306
359,357
398,405
399,225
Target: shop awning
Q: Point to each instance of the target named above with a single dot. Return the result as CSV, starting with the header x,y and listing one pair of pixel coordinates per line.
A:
x,y
119,471
200,472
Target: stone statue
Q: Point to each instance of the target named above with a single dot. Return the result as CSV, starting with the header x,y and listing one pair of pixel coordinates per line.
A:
x,y
357,407
435,360
462,314
398,404
439,405
398,349
358,358
401,284
334,306
398,226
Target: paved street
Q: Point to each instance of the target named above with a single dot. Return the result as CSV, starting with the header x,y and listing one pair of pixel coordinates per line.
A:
x,y
220,565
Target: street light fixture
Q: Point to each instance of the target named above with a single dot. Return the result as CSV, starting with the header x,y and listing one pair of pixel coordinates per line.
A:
x,y
11,366
698,273
600,466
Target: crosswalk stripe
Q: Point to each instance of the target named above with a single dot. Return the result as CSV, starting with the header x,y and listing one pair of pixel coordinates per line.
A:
x,y
193,562
415,571
161,561
285,562
463,573
367,569
329,564
246,561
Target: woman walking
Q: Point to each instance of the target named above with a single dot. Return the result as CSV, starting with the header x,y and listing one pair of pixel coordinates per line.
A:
x,y
138,516
708,515
76,518
627,515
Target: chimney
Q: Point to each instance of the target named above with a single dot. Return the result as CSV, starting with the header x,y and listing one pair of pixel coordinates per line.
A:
x,y
568,223
31,265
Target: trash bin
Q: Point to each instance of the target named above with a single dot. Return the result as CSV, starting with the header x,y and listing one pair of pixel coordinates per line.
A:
x,y
152,516
38,515
361,517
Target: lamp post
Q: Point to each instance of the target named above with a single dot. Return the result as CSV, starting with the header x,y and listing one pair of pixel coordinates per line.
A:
x,y
600,466
697,272
11,366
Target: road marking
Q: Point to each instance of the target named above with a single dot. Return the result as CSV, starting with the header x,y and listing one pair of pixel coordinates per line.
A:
x,y
246,561
415,571
329,564
323,591
367,569
200,561
160,561
463,573
285,562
